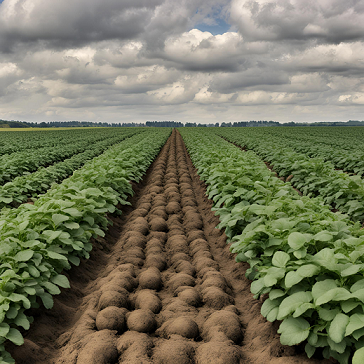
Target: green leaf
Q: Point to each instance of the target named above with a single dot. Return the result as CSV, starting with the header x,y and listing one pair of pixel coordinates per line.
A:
x,y
358,357
6,200
272,315
351,270
312,339
74,260
338,327
326,258
356,322
292,278
358,285
51,235
301,253
24,255
71,225
15,297
15,336
23,225
268,306
302,309
270,280
61,280
310,350
30,290
357,334
12,312
322,287
58,218
359,294
280,259
328,315
56,256
47,300
336,294
296,240
294,330
323,236
22,320
276,293
33,271
337,347
73,212
308,270
4,329
51,288
349,305
292,302
257,286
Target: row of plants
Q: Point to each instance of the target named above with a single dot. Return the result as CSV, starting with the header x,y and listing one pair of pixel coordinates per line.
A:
x,y
351,161
16,141
343,147
21,188
27,161
312,176
305,260
39,241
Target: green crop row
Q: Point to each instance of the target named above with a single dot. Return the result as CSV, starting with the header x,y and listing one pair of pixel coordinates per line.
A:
x,y
342,146
347,160
16,141
307,261
39,241
26,161
312,176
31,185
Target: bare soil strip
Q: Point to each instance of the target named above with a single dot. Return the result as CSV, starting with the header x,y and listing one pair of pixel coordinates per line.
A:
x,y
161,287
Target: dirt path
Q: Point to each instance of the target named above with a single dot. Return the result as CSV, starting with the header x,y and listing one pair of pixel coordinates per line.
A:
x,y
161,287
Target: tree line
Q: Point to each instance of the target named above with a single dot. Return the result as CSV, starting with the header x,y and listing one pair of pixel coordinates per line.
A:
x,y
169,124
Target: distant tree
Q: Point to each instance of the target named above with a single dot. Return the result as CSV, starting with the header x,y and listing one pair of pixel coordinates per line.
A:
x,y
224,125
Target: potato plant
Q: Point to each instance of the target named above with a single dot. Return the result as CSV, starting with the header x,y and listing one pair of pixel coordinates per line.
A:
x,y
306,260
39,241
29,185
312,176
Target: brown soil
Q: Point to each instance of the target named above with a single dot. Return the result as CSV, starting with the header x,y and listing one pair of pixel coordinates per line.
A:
x,y
161,287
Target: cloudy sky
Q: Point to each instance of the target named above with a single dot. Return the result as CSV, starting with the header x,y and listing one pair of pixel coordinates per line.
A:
x,y
201,61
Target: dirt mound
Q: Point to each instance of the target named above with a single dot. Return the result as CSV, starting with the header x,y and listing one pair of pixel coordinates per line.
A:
x,y
111,318
183,326
141,320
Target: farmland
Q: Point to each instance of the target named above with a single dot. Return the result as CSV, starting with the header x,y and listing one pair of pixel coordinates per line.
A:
x,y
196,245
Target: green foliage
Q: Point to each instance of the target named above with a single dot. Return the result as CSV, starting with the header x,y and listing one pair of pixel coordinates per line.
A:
x,y
30,185
39,241
308,259
311,172
25,152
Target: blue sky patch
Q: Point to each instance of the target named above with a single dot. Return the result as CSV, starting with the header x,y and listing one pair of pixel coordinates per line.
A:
x,y
220,27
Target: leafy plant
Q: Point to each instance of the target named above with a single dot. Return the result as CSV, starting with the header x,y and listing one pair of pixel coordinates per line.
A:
x,y
39,241
307,259
30,185
312,176
56,148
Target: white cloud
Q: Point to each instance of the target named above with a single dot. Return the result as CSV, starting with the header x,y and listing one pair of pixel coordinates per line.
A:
x,y
137,60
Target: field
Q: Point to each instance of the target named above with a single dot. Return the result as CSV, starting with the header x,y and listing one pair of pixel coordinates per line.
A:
x,y
197,245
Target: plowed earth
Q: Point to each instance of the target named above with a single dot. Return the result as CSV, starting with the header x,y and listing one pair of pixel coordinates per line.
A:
x,y
161,287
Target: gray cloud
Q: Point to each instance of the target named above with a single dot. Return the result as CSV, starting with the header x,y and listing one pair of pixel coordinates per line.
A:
x,y
71,23
332,21
136,60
